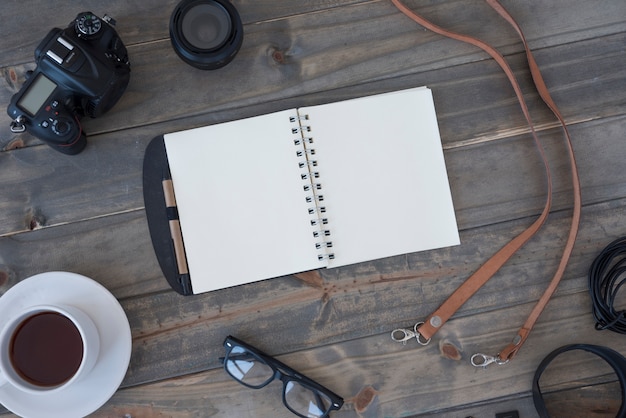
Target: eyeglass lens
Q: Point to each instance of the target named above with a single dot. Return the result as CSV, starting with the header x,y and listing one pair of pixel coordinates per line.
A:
x,y
304,401
248,369
255,373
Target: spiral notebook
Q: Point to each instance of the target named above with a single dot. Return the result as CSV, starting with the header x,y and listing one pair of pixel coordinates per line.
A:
x,y
320,186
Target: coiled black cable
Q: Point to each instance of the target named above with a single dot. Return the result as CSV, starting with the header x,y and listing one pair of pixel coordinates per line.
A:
x,y
607,275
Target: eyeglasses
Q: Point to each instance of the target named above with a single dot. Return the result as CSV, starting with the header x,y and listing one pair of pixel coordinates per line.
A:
x,y
255,369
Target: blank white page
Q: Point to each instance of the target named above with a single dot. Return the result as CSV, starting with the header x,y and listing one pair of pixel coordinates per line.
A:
x,y
242,209
383,173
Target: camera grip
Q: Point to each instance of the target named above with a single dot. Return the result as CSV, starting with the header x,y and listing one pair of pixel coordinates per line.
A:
x,y
62,132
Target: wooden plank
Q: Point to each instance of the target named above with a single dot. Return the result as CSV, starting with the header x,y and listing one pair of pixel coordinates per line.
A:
x,y
378,378
48,197
597,401
477,203
114,250
55,205
170,331
47,186
556,22
87,216
295,70
136,22
172,334
588,402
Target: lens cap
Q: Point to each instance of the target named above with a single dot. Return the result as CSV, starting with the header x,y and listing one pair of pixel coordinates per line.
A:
x,y
206,34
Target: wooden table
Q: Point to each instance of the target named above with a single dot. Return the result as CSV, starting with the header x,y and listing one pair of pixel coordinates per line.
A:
x,y
85,213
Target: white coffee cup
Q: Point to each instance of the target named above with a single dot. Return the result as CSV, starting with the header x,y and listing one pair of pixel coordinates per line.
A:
x,y
47,348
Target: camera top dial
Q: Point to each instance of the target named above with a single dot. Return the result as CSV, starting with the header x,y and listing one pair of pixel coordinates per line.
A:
x,y
87,25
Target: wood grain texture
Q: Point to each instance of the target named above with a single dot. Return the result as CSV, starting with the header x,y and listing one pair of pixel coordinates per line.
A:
x,y
464,120
85,213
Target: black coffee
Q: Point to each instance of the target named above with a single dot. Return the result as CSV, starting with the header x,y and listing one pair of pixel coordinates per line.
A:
x,y
46,349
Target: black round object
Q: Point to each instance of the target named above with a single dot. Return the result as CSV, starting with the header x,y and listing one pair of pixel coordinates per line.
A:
x,y
206,34
612,357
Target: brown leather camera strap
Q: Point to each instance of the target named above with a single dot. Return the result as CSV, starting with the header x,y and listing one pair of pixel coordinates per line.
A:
x,y
436,320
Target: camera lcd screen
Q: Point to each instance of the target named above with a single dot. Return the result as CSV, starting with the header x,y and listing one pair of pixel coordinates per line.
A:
x,y
37,94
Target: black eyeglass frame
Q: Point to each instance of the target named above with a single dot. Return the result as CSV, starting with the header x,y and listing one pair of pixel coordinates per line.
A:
x,y
282,372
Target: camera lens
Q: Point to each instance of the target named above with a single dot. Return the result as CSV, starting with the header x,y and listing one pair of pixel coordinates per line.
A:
x,y
206,34
206,26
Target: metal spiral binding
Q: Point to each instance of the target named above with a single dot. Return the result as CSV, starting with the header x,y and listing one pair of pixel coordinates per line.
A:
x,y
306,151
298,118
299,140
318,198
300,129
318,234
313,175
309,187
312,187
303,164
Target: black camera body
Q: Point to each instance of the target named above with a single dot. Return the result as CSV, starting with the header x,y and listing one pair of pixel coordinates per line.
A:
x,y
82,70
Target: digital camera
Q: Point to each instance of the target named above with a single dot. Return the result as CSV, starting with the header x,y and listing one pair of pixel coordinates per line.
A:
x,y
82,70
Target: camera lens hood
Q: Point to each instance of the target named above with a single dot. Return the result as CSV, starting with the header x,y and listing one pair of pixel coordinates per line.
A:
x,y
206,34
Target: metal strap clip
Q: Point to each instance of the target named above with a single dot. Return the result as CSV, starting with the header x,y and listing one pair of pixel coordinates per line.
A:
x,y
483,360
402,335
17,125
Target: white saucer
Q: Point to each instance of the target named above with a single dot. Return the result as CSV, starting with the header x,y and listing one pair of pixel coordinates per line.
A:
x,y
94,389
